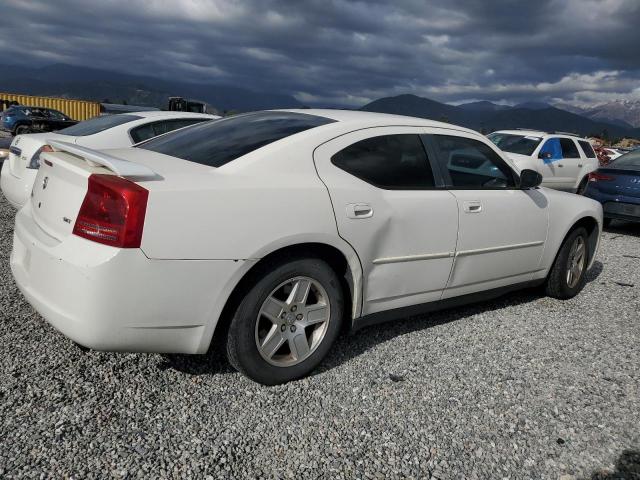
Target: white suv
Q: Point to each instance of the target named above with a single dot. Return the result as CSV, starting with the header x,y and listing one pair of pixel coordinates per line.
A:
x,y
564,160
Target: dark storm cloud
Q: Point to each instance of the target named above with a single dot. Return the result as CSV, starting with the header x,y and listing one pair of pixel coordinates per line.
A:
x,y
346,52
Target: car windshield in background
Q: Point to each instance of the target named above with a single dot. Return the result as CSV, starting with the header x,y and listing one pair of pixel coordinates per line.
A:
x,y
629,161
219,142
522,144
97,124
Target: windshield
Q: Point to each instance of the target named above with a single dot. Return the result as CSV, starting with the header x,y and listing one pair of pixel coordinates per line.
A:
x,y
629,160
221,141
97,124
509,142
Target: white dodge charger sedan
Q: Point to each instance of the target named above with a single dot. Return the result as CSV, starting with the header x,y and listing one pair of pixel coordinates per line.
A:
x,y
110,131
270,231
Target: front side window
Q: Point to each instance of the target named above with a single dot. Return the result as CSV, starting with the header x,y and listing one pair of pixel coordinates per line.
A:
x,y
217,143
569,148
97,125
587,149
391,162
470,164
512,143
551,150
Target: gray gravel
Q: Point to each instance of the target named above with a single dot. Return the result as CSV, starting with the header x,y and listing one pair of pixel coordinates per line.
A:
x,y
522,387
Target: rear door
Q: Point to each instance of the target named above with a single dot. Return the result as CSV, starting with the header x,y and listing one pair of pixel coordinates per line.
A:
x,y
502,229
388,206
572,161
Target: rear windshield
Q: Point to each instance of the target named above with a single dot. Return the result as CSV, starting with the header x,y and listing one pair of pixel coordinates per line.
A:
x,y
629,160
217,143
522,144
97,125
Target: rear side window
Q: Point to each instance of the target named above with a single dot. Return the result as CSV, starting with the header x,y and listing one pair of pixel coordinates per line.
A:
x,y
470,164
218,143
392,162
587,149
97,125
150,130
569,148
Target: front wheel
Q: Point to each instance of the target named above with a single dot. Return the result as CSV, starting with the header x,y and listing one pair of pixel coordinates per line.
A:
x,y
583,186
568,273
287,322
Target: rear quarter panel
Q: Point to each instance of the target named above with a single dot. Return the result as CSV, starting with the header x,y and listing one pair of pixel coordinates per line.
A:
x,y
266,200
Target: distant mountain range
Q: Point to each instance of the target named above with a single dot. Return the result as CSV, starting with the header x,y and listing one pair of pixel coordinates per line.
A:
x,y
614,119
487,117
91,84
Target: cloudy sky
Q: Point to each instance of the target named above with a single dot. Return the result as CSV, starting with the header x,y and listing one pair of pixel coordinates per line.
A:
x,y
341,52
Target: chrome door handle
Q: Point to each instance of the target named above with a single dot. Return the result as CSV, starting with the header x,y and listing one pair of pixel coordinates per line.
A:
x,y
359,210
473,206
579,165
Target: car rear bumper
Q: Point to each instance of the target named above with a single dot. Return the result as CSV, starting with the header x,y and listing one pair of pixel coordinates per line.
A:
x,y
618,206
16,190
113,299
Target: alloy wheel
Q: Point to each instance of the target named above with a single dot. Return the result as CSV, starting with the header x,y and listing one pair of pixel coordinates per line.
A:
x,y
576,262
292,321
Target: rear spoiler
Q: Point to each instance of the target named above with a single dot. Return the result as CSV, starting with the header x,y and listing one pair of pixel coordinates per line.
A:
x,y
123,168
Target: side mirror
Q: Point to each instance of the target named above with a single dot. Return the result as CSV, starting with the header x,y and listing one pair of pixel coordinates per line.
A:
x,y
545,155
529,179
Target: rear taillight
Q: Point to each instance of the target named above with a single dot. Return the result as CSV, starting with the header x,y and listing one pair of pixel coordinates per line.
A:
x,y
34,163
599,177
112,212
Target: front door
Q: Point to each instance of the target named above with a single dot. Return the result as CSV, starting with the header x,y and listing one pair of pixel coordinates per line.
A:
x,y
502,229
552,165
387,207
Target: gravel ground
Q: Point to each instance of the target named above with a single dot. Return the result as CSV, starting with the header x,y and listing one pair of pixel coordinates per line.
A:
x,y
522,387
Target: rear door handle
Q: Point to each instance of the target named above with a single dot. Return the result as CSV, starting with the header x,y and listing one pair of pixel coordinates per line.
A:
x,y
359,210
472,206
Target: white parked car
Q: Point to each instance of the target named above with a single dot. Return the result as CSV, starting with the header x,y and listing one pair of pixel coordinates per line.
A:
x,y
110,131
613,153
563,160
271,230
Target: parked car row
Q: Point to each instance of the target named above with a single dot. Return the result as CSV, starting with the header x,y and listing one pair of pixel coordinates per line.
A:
x,y
19,119
271,231
113,131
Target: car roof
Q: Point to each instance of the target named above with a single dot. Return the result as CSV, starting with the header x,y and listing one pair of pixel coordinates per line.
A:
x,y
362,119
161,114
539,133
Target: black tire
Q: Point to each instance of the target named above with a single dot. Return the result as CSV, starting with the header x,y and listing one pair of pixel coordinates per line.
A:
x,y
607,222
21,130
583,186
242,348
557,285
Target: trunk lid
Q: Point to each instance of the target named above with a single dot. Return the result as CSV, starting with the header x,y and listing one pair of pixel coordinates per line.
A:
x,y
61,184
623,182
24,147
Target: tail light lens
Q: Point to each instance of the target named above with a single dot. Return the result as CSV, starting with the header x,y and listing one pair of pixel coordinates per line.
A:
x,y
112,212
34,163
599,177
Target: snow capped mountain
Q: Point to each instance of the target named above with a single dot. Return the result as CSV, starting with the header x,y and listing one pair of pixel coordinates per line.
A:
x,y
626,110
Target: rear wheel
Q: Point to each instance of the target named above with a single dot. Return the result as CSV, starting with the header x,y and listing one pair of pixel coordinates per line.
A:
x,y
286,324
21,130
568,274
